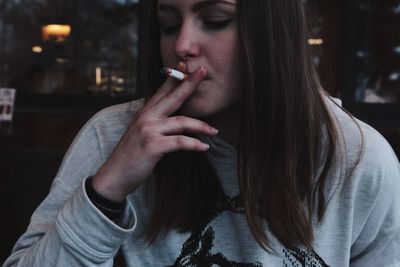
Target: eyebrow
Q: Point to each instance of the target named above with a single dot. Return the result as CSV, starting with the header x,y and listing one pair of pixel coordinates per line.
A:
x,y
196,7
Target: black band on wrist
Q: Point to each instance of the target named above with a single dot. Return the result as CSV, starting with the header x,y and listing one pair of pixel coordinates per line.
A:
x,y
111,209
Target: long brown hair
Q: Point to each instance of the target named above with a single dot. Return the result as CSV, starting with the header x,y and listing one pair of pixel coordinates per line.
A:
x,y
284,121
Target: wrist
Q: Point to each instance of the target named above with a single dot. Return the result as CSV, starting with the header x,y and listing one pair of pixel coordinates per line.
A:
x,y
113,210
106,189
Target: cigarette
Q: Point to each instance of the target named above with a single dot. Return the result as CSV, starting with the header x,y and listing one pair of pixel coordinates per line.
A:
x,y
174,73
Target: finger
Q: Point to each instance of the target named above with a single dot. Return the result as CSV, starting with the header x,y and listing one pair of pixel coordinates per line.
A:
x,y
180,124
172,101
167,86
174,143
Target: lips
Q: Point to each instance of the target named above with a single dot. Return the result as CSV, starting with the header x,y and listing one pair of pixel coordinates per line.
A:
x,y
205,79
190,69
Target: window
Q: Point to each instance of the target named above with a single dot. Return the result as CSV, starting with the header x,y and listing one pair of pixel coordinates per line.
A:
x,y
69,47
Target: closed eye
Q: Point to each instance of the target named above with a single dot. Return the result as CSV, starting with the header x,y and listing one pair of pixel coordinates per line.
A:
x,y
216,24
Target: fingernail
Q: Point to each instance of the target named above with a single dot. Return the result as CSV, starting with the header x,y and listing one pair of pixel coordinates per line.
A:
x,y
205,146
214,130
181,66
202,71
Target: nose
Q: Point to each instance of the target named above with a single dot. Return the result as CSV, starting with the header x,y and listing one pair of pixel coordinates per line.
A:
x,y
187,42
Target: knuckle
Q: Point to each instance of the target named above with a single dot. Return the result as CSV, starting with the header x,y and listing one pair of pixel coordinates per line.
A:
x,y
177,94
180,119
175,105
144,129
141,128
148,143
180,142
205,125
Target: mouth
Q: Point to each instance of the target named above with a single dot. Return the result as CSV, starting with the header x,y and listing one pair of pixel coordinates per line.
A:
x,y
192,69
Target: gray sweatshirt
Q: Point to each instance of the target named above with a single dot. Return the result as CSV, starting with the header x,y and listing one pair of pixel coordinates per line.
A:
x,y
361,226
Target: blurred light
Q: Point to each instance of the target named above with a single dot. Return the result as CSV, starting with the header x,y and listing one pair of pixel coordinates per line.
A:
x,y
315,41
37,49
98,75
57,31
61,60
394,76
397,49
396,9
362,54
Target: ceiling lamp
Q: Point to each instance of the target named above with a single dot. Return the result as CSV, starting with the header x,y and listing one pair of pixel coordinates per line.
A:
x,y
57,32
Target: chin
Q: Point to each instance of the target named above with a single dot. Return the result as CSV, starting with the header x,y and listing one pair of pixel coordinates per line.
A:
x,y
194,112
197,108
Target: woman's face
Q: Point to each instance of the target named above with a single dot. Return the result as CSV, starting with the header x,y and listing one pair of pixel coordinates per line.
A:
x,y
203,33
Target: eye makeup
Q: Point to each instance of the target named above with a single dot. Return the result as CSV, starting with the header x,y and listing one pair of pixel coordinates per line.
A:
x,y
213,16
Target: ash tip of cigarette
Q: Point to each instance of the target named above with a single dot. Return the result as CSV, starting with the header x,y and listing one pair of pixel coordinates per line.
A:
x,y
165,70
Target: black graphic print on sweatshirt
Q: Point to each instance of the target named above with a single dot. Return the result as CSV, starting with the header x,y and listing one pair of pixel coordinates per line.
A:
x,y
302,258
196,251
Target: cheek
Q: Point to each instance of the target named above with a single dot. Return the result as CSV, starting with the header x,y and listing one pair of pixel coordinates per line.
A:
x,y
226,62
224,51
230,67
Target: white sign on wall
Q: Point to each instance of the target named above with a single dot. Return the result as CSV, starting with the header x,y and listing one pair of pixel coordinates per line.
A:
x,y
7,100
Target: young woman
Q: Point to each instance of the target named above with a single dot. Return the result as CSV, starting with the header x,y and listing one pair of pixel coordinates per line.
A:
x,y
288,179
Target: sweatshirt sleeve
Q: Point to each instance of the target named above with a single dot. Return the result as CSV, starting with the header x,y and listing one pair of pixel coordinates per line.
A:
x,y
378,241
67,229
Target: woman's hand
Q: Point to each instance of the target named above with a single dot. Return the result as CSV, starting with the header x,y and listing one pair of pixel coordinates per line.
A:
x,y
151,135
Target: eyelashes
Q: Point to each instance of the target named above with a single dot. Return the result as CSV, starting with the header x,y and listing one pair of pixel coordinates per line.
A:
x,y
208,25
217,24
